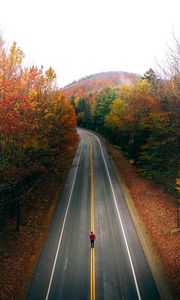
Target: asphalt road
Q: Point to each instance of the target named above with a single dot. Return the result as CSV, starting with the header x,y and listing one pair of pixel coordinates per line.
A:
x,y
92,199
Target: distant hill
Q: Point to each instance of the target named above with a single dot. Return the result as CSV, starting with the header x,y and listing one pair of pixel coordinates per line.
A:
x,y
100,81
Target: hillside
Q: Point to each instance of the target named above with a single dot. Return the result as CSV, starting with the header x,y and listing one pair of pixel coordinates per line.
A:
x,y
99,81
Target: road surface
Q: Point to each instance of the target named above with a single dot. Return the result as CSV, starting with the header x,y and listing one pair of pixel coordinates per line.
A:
x,y
92,200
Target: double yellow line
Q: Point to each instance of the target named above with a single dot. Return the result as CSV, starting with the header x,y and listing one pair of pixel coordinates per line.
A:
x,y
92,278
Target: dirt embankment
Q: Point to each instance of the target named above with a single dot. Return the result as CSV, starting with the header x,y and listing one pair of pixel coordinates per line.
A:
x,y
154,214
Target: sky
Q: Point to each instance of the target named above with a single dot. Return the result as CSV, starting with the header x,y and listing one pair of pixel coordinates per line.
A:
x,y
80,37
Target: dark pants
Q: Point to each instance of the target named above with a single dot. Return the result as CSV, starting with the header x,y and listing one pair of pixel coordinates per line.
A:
x,y
92,243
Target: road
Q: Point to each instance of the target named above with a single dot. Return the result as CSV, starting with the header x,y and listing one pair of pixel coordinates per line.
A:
x,y
92,200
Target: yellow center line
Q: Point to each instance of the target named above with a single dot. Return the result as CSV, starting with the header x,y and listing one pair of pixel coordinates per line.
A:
x,y
92,276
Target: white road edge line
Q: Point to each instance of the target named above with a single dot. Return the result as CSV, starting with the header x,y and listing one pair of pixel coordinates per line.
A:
x,y
62,230
120,220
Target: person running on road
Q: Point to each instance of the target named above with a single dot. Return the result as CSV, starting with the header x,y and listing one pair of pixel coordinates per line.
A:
x,y
92,238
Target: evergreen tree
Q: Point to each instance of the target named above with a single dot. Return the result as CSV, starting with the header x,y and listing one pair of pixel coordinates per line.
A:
x,y
104,100
83,112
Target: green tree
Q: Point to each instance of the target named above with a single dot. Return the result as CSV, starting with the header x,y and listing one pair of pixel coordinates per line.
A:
x,y
83,112
104,100
159,153
153,79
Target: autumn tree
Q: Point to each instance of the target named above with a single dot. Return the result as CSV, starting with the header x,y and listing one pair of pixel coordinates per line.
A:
x,y
37,124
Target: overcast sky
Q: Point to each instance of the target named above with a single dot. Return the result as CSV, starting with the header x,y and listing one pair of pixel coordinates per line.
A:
x,y
80,37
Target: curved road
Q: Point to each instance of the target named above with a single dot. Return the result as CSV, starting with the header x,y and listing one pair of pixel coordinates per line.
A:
x,y
92,200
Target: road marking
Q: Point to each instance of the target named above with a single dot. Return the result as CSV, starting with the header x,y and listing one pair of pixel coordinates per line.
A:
x,y
62,229
120,220
93,285
92,187
92,276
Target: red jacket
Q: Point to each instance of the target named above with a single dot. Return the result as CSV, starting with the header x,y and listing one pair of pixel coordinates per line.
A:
x,y
92,236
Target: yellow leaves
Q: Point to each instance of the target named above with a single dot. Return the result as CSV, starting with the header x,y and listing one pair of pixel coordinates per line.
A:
x,y
125,91
33,93
76,100
178,184
119,107
115,118
50,74
142,85
178,181
16,56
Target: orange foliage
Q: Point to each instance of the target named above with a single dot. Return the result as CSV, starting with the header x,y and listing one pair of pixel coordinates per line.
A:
x,y
37,124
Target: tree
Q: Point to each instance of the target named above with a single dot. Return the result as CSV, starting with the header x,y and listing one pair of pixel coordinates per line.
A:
x,y
150,75
37,124
104,100
153,79
116,117
158,156
83,111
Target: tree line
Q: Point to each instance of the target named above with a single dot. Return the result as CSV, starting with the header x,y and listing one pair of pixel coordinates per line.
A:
x,y
37,124
142,120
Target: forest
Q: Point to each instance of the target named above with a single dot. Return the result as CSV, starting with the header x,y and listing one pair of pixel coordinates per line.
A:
x,y
139,115
37,124
142,119
38,120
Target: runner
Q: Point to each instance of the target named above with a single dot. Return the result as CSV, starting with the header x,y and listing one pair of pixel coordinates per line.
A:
x,y
92,238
